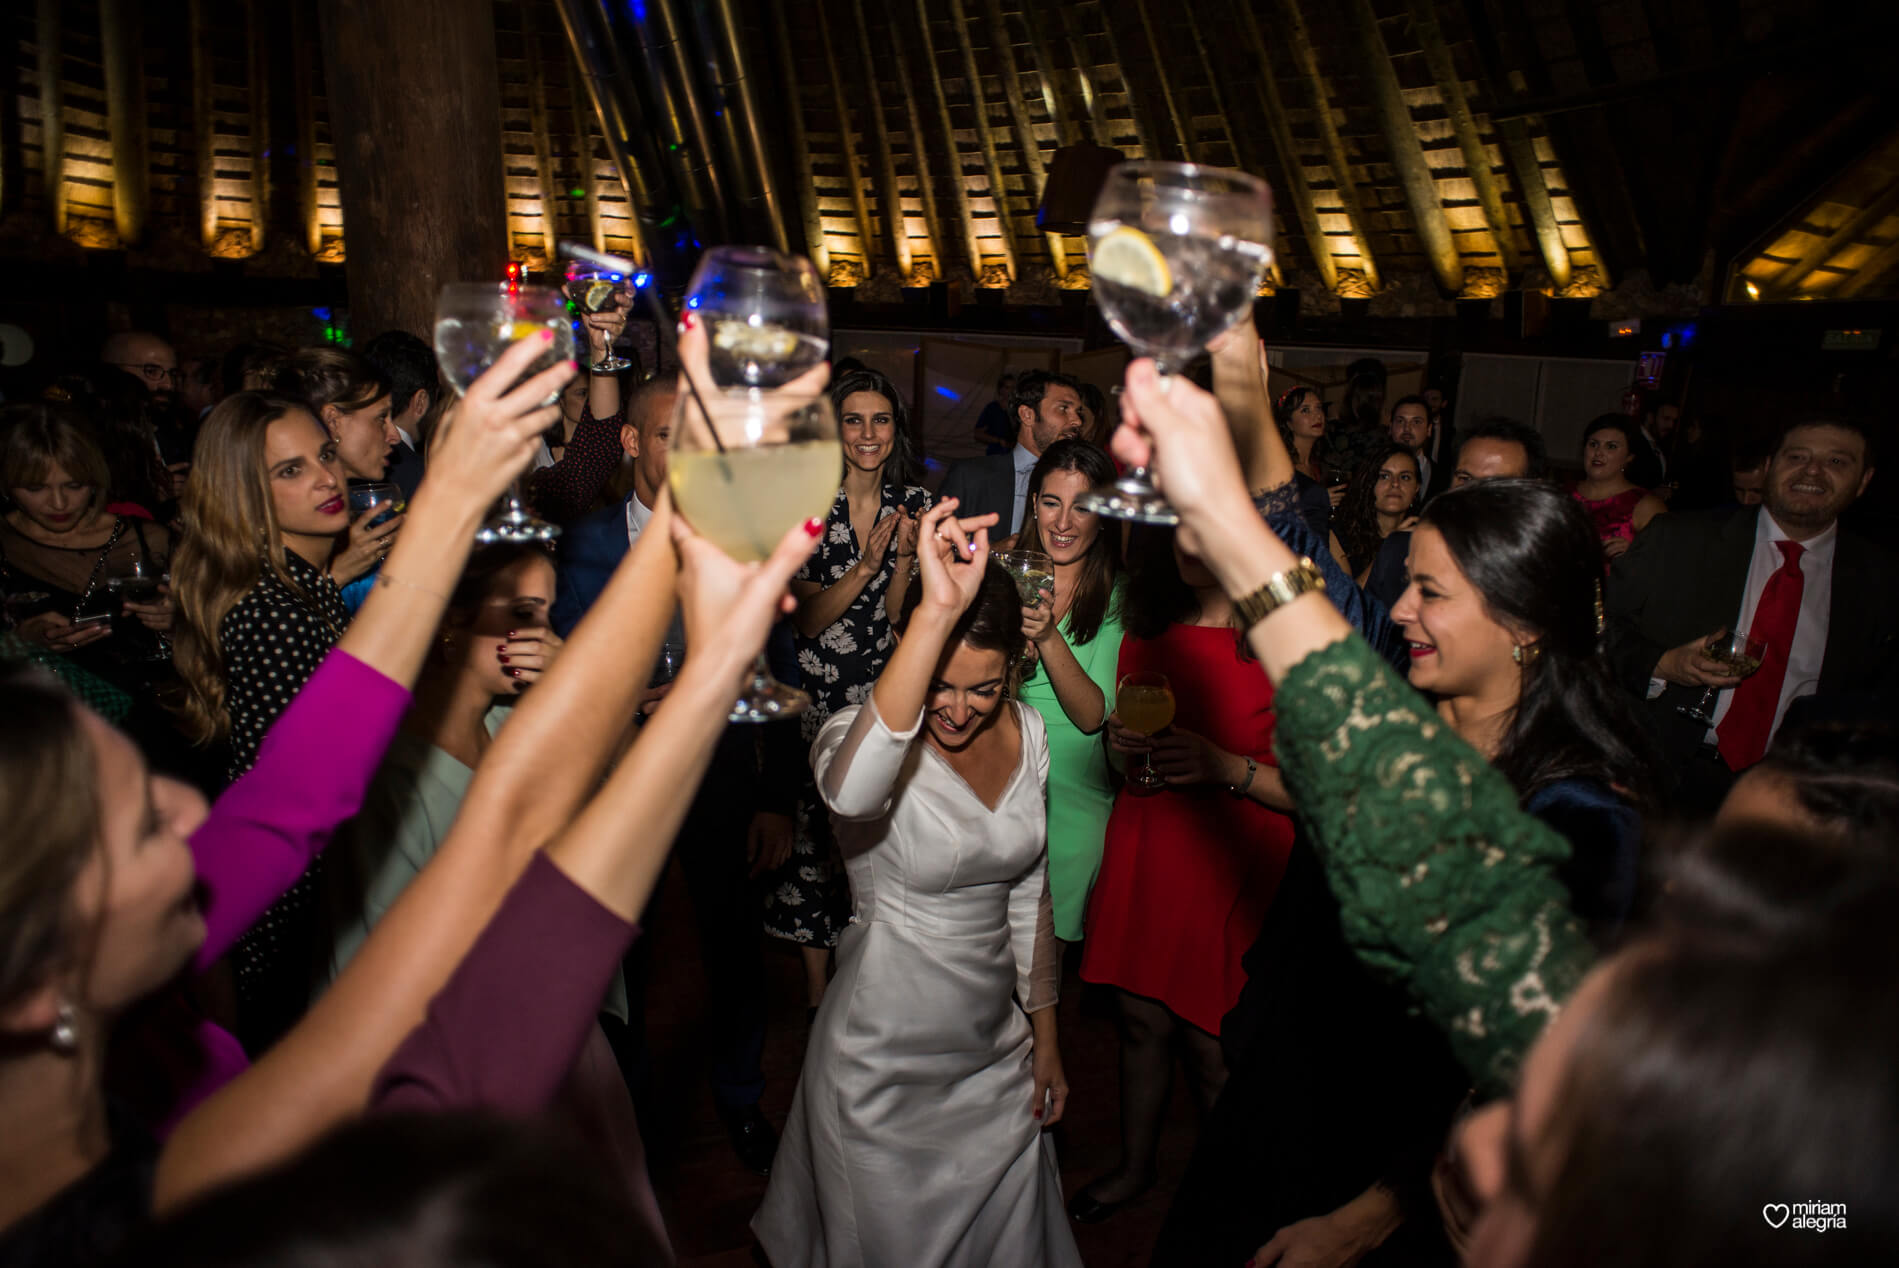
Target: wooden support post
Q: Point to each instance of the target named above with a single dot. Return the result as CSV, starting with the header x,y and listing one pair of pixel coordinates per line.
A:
x,y
303,54
1299,43
123,41
1407,152
421,184
1437,56
204,126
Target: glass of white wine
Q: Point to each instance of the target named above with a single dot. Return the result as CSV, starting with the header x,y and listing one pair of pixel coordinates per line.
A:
x,y
743,469
1144,701
1175,253
1034,574
1736,652
475,322
765,316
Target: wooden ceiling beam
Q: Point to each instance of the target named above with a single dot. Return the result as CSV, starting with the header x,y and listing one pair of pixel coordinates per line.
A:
x,y
814,243
886,160
1052,94
1291,166
1786,284
203,123
964,212
257,55
1871,273
1437,56
1143,130
122,41
1299,43
1183,130
52,111
1407,152
846,143
1024,127
919,150
985,137
543,136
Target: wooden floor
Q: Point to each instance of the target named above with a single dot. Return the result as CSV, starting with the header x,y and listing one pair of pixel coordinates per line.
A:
x,y
709,1199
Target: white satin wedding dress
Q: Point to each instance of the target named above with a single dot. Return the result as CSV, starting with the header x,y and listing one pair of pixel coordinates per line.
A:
x,y
910,1142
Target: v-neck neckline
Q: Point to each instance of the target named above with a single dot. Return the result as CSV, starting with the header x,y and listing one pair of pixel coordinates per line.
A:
x,y
1008,787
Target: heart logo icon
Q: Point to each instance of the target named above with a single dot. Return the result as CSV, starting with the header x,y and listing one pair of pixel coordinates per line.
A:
x,y
1775,1213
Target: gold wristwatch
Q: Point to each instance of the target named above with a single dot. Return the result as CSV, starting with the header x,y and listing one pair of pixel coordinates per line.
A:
x,y
1280,589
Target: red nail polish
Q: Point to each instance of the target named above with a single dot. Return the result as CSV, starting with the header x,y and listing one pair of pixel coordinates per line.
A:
x,y
504,659
514,673
513,634
813,526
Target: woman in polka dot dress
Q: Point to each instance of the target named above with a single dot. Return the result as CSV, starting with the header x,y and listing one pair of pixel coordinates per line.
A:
x,y
255,625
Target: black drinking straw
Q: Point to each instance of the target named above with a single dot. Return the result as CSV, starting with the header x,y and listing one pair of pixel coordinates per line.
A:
x,y
622,265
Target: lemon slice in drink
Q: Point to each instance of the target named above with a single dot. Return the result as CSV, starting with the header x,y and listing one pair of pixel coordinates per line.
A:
x,y
1128,257
525,330
598,293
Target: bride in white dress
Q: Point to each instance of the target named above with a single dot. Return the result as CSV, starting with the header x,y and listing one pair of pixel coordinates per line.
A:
x,y
917,1135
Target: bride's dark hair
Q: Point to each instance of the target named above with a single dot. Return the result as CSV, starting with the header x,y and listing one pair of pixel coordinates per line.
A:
x,y
993,620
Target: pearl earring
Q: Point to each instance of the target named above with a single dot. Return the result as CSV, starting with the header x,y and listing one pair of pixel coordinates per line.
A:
x,y
65,1035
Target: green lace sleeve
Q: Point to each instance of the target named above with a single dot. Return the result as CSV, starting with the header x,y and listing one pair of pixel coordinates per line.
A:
x,y
1444,885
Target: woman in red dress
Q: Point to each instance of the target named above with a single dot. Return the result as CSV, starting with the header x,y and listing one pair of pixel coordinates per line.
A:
x,y
1188,871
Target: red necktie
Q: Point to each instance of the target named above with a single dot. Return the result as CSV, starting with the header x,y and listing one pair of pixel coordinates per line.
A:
x,y
1744,732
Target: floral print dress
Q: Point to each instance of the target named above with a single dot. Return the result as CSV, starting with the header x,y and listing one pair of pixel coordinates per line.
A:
x,y
808,900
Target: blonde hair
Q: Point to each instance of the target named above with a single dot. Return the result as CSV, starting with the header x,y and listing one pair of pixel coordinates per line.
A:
x,y
41,437
230,538
50,787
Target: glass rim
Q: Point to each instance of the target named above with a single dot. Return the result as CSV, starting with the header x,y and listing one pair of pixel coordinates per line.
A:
x,y
1177,174
1027,556
754,256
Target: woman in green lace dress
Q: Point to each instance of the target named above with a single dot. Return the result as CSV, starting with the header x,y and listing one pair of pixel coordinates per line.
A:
x,y
1704,1066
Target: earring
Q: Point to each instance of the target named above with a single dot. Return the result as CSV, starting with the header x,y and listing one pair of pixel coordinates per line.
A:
x,y
65,1036
1523,655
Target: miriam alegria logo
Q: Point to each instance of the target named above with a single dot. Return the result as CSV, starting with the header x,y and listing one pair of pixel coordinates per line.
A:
x,y
1815,1217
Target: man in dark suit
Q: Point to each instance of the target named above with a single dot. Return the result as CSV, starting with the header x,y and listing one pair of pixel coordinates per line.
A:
x,y
415,385
1821,597
1048,407
1412,428
740,821
1495,449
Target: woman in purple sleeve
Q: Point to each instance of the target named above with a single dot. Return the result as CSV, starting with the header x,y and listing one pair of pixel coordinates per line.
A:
x,y
113,880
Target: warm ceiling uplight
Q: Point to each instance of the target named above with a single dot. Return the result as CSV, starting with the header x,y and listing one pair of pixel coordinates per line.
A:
x,y
1753,291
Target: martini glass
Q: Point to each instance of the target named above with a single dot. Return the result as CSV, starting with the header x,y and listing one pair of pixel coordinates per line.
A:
x,y
475,322
1176,252
594,290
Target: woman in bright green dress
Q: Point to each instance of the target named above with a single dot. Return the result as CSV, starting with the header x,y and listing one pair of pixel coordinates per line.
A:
x,y
1077,643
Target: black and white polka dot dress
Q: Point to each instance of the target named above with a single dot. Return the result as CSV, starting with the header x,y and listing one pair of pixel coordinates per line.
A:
x,y
272,641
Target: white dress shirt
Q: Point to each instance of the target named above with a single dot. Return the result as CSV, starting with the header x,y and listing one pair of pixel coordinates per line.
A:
x,y
1424,470
1024,466
1810,628
637,515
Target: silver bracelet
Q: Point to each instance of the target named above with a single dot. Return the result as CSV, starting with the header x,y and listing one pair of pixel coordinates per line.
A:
x,y
1252,769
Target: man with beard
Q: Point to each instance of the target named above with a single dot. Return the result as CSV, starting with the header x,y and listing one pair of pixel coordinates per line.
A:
x,y
1048,408
1785,572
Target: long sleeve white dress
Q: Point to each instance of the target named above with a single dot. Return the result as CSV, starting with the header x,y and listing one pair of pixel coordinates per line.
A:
x,y
910,1142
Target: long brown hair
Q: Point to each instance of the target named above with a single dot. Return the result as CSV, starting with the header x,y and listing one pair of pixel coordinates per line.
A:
x,y
49,785
230,538
1094,591
35,438
329,376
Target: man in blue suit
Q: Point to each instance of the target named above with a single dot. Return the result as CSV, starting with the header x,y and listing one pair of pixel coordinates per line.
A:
x,y
740,821
1048,407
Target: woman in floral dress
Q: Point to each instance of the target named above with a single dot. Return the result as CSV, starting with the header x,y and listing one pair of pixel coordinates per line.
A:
x,y
847,594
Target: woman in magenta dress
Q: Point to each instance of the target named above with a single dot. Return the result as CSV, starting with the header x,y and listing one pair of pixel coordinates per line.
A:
x,y
1617,507
1187,872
